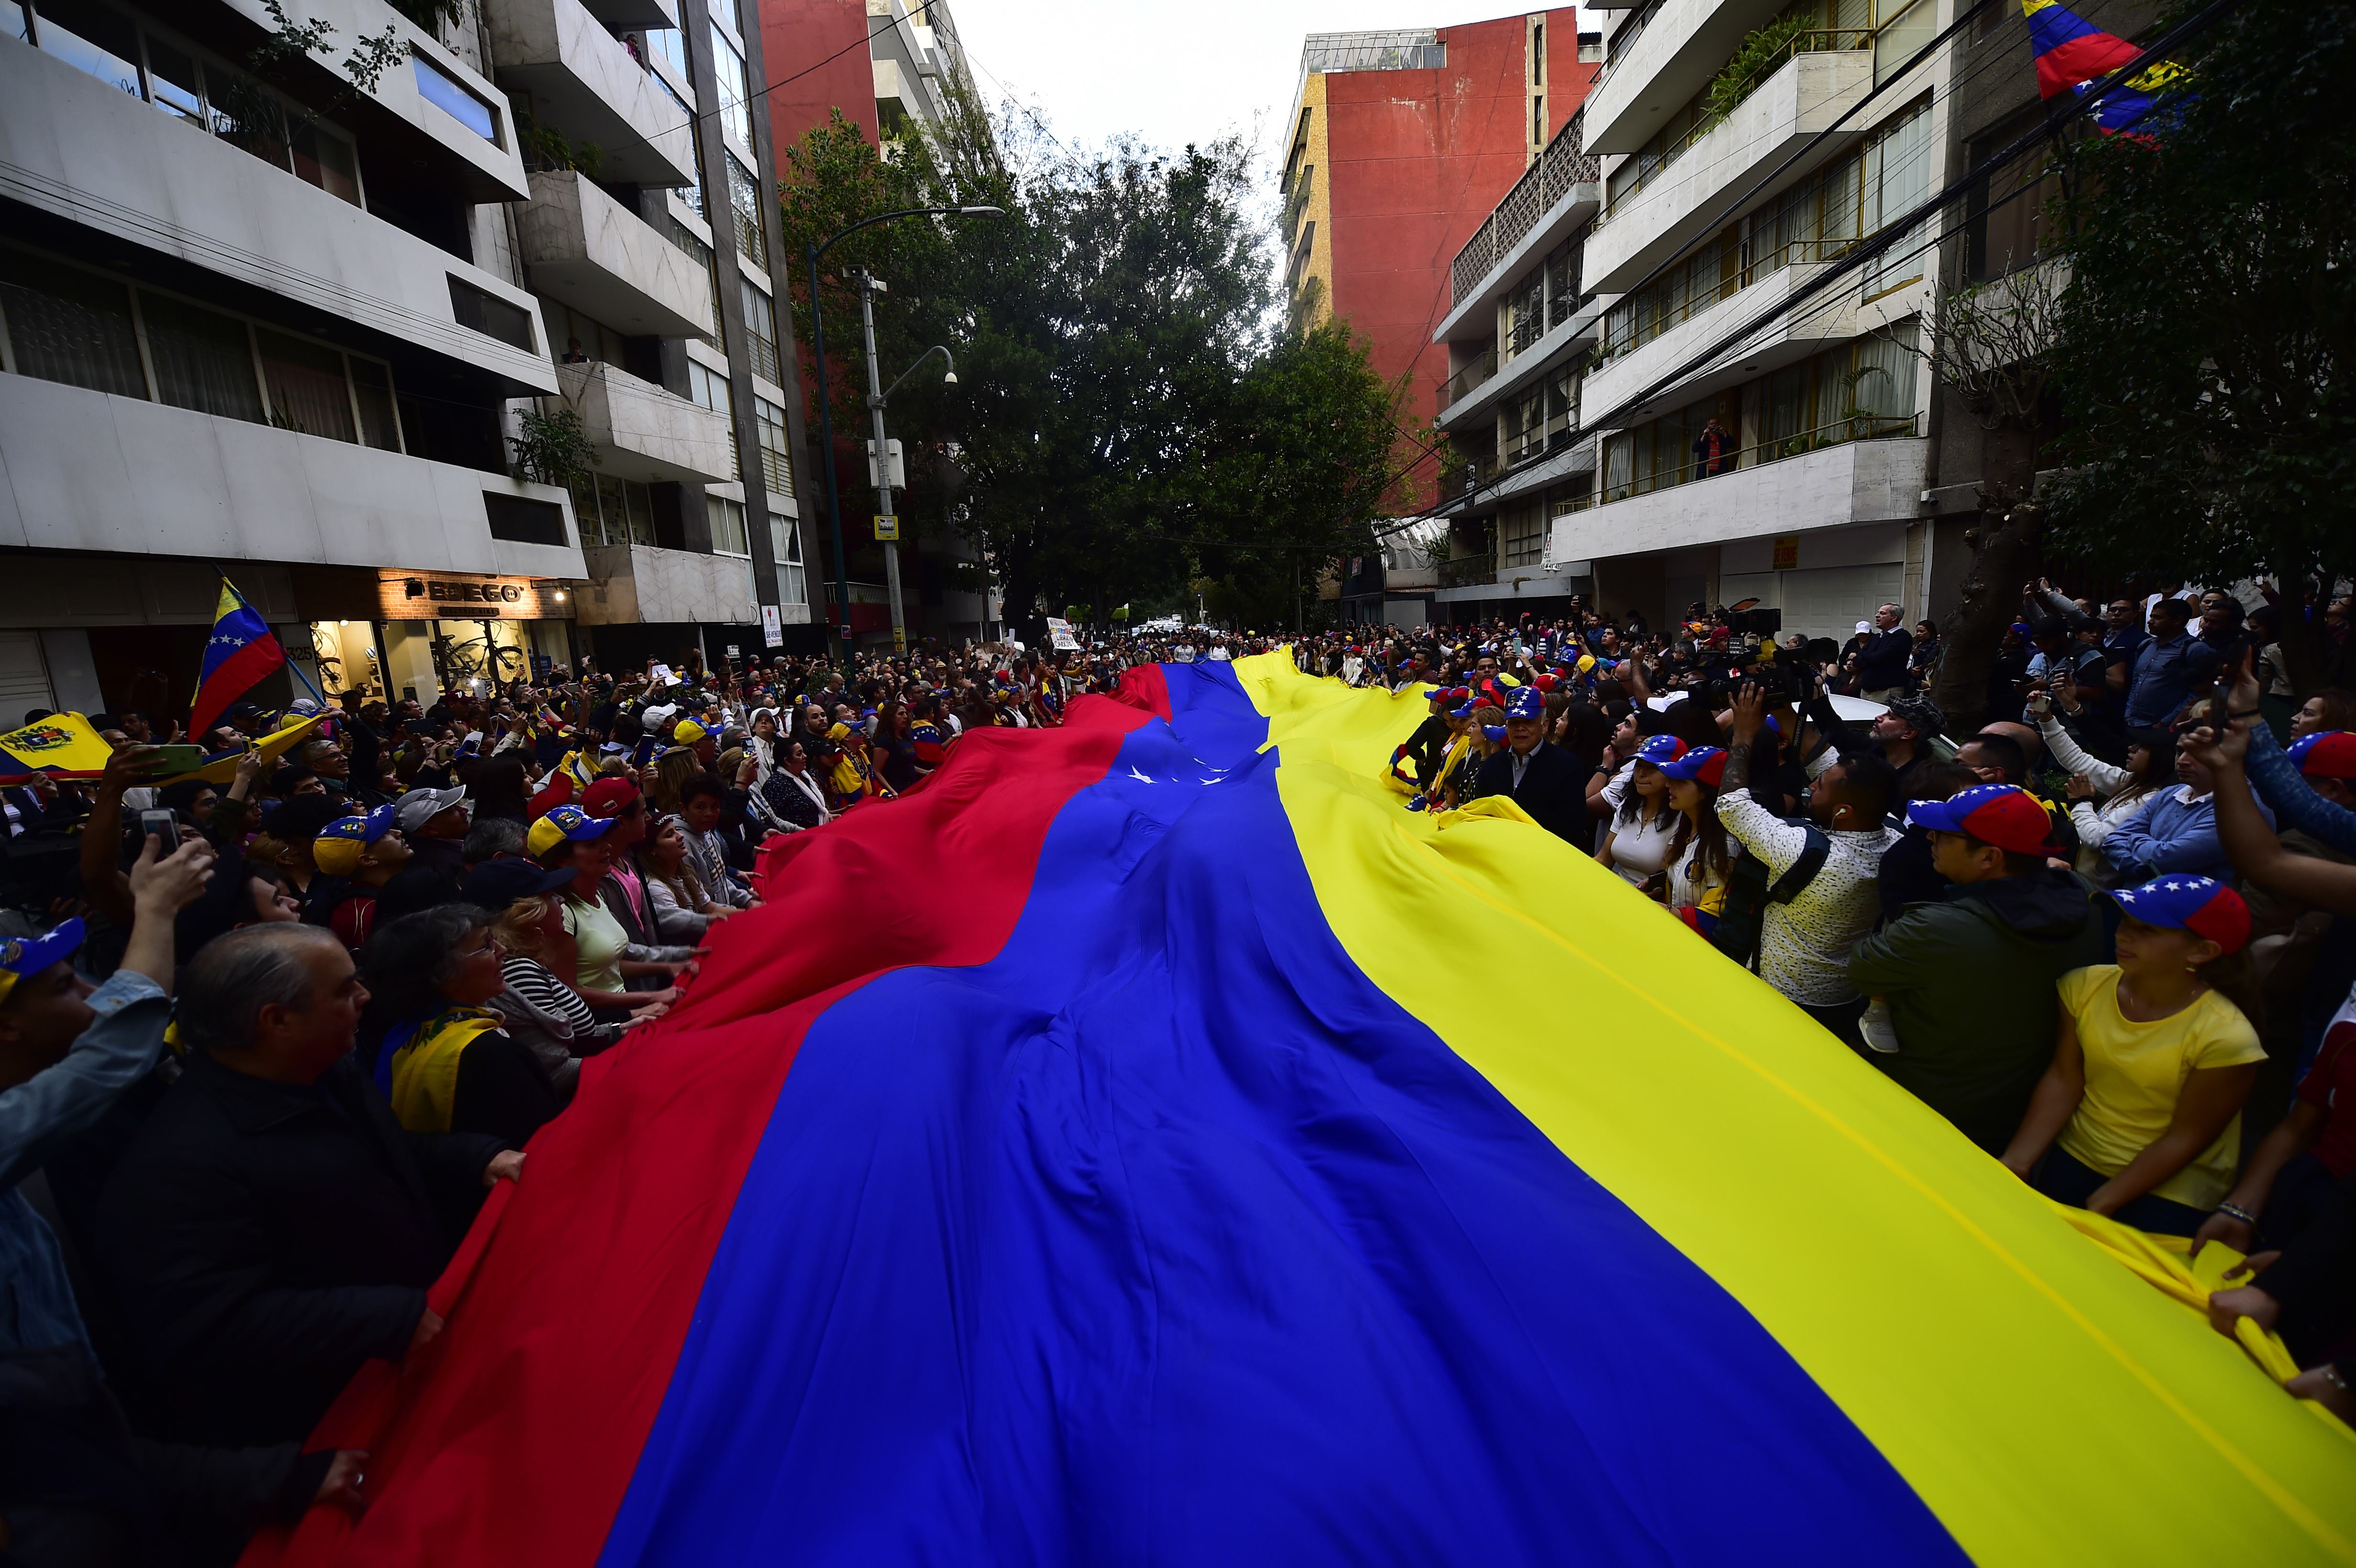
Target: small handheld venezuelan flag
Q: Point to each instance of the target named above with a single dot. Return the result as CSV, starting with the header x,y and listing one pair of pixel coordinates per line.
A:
x,y
240,653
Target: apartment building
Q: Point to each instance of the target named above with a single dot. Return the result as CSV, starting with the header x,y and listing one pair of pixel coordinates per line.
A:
x,y
893,68
1403,143
278,311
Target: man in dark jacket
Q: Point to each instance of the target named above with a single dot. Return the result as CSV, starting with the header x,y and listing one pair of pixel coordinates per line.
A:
x,y
1881,657
1544,780
273,1227
1970,981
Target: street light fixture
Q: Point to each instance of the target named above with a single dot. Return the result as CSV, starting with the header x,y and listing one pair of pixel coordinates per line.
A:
x,y
825,404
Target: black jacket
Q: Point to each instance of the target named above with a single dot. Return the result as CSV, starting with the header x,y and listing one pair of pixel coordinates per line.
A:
x,y
266,1238
1425,748
1553,791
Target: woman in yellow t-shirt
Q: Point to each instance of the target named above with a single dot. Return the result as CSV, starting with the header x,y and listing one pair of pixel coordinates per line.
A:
x,y
2139,1116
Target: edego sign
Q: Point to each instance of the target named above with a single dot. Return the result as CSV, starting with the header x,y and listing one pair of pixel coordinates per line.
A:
x,y
463,596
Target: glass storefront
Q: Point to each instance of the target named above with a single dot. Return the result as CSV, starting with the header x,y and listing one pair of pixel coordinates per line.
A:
x,y
347,660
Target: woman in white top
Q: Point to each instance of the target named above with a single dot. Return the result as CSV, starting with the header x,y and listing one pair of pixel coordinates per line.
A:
x,y
761,747
1637,843
2102,796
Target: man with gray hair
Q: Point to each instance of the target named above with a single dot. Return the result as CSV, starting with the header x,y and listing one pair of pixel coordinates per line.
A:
x,y
1881,657
275,1224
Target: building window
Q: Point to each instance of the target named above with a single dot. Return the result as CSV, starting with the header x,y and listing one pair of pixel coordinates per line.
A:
x,y
1525,426
2007,224
66,324
670,46
760,331
455,99
480,310
728,535
1538,54
523,520
786,547
614,511
1537,120
1521,534
744,198
203,359
710,388
63,324
306,388
735,108
776,470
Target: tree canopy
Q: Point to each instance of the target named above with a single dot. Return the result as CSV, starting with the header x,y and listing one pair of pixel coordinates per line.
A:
x,y
2205,333
1129,414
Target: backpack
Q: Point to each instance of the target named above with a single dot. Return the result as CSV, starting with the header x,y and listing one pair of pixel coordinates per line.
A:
x,y
1748,894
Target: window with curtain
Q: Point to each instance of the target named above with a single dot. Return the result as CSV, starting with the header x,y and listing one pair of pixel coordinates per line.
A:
x,y
786,548
66,324
307,387
744,198
728,66
776,470
760,331
372,391
728,535
1526,425
203,359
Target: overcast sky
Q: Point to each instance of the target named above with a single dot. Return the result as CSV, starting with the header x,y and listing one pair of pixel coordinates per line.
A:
x,y
1174,71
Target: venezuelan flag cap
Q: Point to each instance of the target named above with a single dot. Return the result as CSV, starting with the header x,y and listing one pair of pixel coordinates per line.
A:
x,y
2331,755
2202,905
566,824
1707,764
341,843
21,958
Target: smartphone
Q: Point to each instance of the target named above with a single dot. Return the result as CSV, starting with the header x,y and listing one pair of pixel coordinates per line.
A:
x,y
161,825
180,758
2040,704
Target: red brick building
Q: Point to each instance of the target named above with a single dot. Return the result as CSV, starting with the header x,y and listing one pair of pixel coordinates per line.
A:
x,y
1403,143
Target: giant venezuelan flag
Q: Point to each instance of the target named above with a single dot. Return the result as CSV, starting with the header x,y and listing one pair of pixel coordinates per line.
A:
x,y
1146,1142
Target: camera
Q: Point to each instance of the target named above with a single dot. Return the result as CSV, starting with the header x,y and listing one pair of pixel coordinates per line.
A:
x,y
1762,622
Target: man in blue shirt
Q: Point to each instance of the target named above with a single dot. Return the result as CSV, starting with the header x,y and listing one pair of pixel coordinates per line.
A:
x,y
2173,830
2169,669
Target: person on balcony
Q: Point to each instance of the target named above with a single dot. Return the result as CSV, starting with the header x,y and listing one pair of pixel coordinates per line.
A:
x,y
1713,451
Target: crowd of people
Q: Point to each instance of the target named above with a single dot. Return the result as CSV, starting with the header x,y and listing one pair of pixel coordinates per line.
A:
x,y
2108,931
266,1044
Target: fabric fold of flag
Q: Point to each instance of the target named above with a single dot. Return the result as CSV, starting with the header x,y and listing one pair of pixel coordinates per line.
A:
x,y
1106,1152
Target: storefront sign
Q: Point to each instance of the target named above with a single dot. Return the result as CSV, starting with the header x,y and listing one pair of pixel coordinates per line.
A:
x,y
1787,552
463,596
773,631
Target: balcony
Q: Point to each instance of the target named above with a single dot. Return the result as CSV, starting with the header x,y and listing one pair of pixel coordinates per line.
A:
x,y
1465,570
578,78
91,471
1563,342
1824,486
631,582
1461,385
1785,339
589,250
1659,60
1547,204
72,145
1687,196
645,433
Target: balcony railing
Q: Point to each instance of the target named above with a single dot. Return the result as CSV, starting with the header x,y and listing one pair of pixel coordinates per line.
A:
x,y
1299,204
1454,390
1563,164
1625,40
1838,432
1467,570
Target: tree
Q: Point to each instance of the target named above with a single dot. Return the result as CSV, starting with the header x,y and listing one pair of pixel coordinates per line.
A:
x,y
2205,334
1127,416
1991,347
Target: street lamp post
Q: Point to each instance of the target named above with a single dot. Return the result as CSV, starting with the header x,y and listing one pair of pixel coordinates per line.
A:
x,y
887,526
825,404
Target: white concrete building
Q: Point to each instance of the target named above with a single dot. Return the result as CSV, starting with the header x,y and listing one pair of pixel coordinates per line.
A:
x,y
1742,150
267,313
